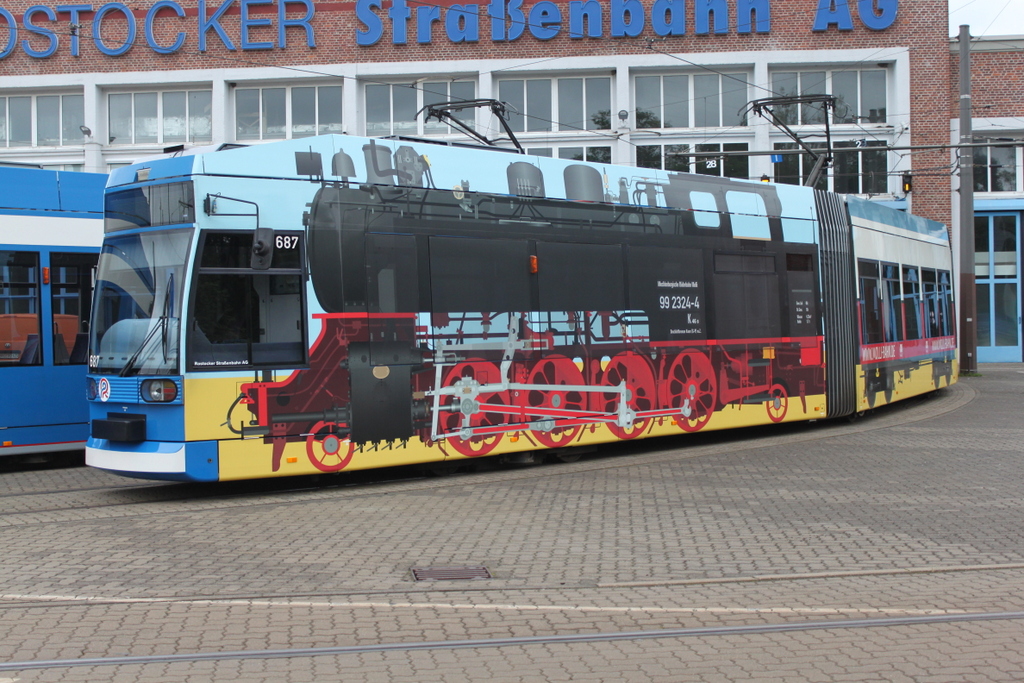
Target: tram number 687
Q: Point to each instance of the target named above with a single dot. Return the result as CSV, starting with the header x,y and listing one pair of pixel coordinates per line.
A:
x,y
286,241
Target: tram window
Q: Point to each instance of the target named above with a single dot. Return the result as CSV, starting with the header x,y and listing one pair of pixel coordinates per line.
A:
x,y
70,298
928,295
945,305
479,275
580,277
911,302
19,308
234,250
892,319
705,210
244,318
870,304
139,207
749,215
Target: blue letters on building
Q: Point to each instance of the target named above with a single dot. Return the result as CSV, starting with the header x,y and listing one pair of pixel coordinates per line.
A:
x,y
37,32
49,23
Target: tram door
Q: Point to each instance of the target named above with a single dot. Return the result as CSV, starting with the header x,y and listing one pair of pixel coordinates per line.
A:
x,y
997,282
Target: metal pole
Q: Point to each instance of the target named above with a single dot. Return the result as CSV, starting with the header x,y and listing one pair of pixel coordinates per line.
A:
x,y
968,295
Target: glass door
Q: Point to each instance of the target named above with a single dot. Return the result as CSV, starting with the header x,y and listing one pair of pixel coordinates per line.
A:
x,y
997,282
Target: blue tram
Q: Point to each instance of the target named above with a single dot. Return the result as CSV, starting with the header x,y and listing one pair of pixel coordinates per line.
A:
x,y
339,303
51,228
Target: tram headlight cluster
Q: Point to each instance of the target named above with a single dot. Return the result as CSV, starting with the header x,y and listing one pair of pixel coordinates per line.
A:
x,y
159,390
90,389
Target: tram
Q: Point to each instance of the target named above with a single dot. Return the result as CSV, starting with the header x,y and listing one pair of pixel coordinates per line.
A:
x,y
338,303
50,233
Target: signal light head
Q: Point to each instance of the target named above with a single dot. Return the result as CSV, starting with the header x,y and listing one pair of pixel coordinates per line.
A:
x,y
159,390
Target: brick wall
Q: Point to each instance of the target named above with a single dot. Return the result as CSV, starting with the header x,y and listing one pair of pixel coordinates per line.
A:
x,y
921,26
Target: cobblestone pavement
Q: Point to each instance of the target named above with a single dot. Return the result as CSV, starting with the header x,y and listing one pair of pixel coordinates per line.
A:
x,y
887,549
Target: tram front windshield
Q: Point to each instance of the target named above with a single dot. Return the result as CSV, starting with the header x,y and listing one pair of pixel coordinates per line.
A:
x,y
138,303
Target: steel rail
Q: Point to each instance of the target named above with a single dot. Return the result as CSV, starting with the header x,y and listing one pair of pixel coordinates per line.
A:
x,y
699,632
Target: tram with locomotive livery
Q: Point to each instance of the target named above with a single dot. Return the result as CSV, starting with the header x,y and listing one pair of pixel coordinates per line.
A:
x,y
339,303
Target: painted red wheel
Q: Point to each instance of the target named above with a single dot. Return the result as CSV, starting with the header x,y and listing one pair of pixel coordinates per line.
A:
x,y
554,372
777,403
328,451
480,372
636,372
690,390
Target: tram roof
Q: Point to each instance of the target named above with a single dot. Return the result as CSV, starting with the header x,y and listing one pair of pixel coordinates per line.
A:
x,y
35,191
862,210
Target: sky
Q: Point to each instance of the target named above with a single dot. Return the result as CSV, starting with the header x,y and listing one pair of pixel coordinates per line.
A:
x,y
987,17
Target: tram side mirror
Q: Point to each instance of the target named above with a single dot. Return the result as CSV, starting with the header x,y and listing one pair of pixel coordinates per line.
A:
x,y
262,248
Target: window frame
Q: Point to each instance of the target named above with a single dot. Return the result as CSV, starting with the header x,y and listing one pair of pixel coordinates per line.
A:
x,y
792,115
551,121
700,158
160,117
827,181
423,98
289,108
32,298
197,339
725,95
982,158
70,118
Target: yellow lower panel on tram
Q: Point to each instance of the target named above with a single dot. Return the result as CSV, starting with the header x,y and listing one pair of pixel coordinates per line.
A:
x,y
211,402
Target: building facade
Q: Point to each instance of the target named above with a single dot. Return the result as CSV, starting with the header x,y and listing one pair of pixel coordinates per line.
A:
x,y
997,124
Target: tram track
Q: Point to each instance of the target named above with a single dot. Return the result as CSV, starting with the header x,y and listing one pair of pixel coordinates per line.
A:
x,y
339,598
84,489
522,641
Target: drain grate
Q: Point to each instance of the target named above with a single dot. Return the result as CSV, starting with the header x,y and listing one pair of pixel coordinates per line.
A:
x,y
450,573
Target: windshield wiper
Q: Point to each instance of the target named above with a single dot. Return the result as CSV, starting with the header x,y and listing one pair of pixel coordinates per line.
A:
x,y
161,324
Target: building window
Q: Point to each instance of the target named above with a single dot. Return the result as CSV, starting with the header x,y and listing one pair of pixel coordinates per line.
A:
x,y
995,169
860,167
159,117
860,95
391,108
597,154
715,99
706,158
584,103
287,112
529,104
667,157
443,91
662,101
565,104
41,120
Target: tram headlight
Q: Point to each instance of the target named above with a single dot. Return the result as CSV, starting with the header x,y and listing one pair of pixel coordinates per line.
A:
x,y
159,390
90,388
